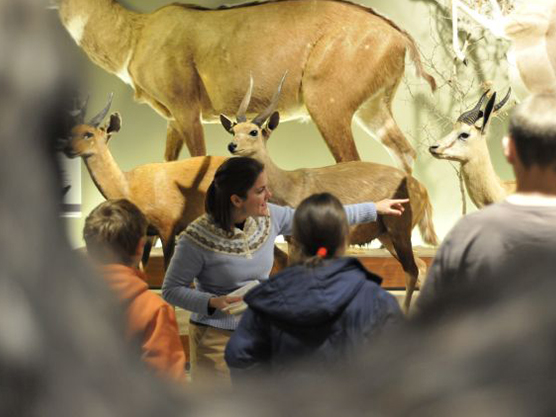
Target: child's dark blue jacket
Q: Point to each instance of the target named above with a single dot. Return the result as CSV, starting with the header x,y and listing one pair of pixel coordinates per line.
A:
x,y
322,313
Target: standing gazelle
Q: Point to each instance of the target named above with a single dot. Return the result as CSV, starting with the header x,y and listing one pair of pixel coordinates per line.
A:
x,y
351,182
170,194
467,144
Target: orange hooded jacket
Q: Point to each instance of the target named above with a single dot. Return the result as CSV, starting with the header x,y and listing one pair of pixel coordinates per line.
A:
x,y
149,318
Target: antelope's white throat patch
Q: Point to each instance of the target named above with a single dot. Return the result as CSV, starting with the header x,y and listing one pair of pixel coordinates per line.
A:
x,y
76,27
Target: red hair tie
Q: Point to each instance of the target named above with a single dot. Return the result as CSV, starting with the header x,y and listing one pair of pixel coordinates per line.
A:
x,y
321,252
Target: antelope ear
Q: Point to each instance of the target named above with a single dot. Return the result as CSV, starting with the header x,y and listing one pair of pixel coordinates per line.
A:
x,y
227,123
115,123
488,111
273,121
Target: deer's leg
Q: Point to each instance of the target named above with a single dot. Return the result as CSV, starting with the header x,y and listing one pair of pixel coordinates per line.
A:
x,y
375,117
335,128
403,252
168,246
174,143
186,128
173,91
339,79
280,260
421,265
333,119
192,131
422,272
398,242
150,241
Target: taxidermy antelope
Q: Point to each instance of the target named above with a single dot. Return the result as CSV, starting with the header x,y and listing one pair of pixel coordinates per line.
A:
x,y
170,194
531,28
188,63
467,145
351,182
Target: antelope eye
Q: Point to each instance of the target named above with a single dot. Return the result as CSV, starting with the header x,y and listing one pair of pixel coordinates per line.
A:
x,y
254,133
88,135
463,136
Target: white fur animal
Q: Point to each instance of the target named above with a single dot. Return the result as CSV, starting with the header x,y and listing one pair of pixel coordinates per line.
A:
x,y
467,144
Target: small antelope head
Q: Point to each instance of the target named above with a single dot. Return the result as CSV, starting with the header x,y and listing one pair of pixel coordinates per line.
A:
x,y
469,132
250,136
85,138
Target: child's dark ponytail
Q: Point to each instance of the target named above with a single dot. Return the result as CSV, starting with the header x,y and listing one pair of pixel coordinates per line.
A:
x,y
320,230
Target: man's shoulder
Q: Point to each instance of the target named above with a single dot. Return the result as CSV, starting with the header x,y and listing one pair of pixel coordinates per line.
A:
x,y
493,209
491,214
489,221
503,215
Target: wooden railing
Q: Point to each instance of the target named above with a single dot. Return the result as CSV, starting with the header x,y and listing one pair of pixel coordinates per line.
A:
x,y
378,261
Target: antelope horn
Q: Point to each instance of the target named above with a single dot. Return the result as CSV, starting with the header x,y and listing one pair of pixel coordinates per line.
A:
x,y
261,118
471,116
76,117
241,117
95,121
504,101
79,110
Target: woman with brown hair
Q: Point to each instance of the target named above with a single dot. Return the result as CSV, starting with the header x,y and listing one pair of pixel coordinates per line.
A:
x,y
322,308
226,248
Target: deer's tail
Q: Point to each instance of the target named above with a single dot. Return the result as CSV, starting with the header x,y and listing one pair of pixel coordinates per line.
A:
x,y
413,50
416,58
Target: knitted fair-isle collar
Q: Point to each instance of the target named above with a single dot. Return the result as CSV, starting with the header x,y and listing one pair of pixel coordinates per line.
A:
x,y
206,234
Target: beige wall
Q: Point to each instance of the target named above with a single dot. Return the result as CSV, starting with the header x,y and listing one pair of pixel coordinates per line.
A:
x,y
294,144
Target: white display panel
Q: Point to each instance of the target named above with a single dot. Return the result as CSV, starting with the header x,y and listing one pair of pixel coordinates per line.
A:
x,y
71,185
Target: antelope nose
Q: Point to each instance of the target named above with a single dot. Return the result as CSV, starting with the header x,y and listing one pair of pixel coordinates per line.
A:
x,y
433,148
232,147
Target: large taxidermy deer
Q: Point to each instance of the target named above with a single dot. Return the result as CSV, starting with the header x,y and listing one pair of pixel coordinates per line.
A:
x,y
189,63
531,28
170,194
467,144
351,182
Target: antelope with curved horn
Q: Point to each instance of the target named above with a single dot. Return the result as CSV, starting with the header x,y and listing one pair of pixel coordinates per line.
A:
x,y
188,63
467,145
351,182
170,194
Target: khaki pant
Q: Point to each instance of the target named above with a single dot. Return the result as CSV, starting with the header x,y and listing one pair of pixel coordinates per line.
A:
x,y
207,344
